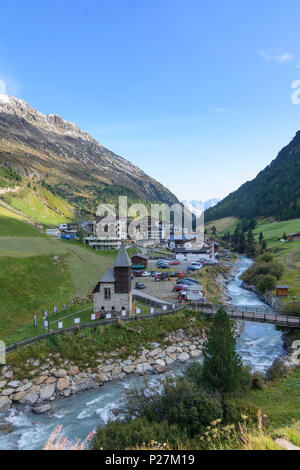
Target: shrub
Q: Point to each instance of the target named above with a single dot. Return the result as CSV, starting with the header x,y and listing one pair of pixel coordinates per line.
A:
x,y
264,283
257,381
234,408
276,371
292,308
194,373
180,402
118,435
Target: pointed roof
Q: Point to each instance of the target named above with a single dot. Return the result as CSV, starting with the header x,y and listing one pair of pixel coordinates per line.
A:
x,y
122,260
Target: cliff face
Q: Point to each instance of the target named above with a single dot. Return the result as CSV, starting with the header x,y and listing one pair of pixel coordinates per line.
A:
x,y
50,147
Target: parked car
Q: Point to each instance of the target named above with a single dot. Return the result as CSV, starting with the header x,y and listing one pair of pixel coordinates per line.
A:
x,y
146,274
139,285
191,268
180,287
174,263
192,280
185,282
154,274
137,273
173,274
180,274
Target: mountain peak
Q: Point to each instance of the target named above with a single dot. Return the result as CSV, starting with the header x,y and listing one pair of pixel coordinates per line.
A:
x,y
49,122
58,150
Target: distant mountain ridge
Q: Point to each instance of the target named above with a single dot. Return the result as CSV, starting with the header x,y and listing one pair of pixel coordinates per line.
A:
x,y
51,148
197,207
275,192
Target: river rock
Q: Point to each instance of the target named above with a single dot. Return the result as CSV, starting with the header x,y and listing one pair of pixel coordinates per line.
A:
x,y
116,370
41,409
24,387
18,396
154,345
141,359
192,347
195,353
171,350
47,391
101,378
108,368
30,398
183,357
40,380
36,363
129,369
62,384
159,369
155,352
8,374
160,362
7,392
59,373
169,361
14,384
5,404
144,367
6,428
74,370
3,383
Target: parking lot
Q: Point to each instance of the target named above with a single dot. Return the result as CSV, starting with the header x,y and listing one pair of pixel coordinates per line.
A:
x,y
162,289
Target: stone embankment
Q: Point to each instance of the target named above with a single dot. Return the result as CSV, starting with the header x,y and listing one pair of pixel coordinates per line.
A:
x,y
60,378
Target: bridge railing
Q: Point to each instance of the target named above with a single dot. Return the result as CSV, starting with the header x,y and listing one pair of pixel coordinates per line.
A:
x,y
248,312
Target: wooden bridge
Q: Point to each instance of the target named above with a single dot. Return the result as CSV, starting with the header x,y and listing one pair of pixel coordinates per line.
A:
x,y
251,313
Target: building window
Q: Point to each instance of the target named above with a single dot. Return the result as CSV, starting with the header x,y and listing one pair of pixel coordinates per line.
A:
x,y
107,293
113,308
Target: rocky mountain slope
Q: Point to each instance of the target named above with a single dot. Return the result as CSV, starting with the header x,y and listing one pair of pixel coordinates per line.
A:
x,y
275,192
46,147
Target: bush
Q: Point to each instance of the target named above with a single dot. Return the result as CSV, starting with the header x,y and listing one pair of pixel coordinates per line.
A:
x,y
194,373
292,308
234,408
120,435
180,402
276,371
257,381
264,283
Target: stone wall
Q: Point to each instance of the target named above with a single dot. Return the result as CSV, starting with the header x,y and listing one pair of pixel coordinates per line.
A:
x,y
47,381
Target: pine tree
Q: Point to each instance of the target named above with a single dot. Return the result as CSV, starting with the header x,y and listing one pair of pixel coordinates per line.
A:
x,y
222,366
242,243
214,230
261,237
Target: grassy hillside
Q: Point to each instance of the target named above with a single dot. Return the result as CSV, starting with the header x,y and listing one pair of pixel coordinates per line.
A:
x,y
227,224
287,252
38,273
12,224
40,205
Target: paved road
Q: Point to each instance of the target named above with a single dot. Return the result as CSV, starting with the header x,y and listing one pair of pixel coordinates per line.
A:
x,y
149,297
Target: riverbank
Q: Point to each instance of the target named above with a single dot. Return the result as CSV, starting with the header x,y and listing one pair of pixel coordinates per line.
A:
x,y
53,376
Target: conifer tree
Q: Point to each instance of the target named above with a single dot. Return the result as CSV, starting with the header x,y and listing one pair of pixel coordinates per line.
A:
x,y
222,366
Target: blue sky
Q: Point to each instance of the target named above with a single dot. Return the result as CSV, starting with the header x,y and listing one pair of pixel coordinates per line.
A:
x,y
196,93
